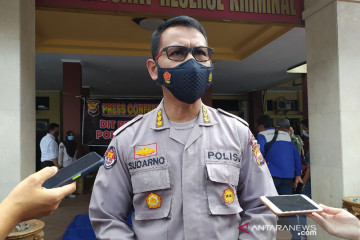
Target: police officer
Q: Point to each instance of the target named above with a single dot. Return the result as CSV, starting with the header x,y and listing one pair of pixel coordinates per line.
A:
x,y
188,171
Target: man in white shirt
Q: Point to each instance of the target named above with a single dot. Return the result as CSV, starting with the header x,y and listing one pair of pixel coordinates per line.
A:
x,y
49,147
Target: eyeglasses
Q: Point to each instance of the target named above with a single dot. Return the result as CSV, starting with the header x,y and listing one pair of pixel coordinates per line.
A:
x,y
179,53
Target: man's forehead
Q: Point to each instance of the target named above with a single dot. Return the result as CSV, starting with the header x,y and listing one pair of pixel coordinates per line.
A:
x,y
182,35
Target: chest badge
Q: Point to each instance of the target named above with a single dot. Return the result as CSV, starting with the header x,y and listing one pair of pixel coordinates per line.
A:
x,y
228,196
153,200
145,150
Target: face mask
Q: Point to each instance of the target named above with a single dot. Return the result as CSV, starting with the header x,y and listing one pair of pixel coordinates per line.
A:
x,y
188,81
305,133
56,134
70,138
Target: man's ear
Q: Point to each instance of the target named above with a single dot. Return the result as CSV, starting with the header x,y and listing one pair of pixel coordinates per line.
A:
x,y
151,66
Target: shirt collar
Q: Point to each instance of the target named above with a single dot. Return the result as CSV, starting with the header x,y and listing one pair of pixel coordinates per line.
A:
x,y
51,136
161,121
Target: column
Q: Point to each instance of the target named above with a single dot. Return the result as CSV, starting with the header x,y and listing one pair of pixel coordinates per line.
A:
x,y
71,101
256,108
333,60
17,92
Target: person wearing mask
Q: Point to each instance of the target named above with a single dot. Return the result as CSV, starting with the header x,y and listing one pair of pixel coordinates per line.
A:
x,y
49,147
29,200
188,170
67,150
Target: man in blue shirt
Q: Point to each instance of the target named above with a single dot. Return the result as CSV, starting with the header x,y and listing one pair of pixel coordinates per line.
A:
x,y
282,157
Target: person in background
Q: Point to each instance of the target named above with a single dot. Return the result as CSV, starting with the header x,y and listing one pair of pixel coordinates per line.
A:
x,y
29,200
306,188
299,144
49,147
283,161
338,222
67,152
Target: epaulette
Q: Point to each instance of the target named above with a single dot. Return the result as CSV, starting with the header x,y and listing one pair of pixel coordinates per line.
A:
x,y
129,123
233,116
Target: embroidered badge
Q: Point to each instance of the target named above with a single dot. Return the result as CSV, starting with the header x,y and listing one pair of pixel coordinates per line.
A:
x,y
205,115
159,119
110,157
153,200
167,77
256,150
228,196
145,150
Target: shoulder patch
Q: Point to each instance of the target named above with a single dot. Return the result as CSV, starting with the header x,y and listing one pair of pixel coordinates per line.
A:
x,y
134,120
233,116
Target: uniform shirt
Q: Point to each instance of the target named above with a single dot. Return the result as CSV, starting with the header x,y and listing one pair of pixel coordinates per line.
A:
x,y
49,148
205,188
64,158
283,158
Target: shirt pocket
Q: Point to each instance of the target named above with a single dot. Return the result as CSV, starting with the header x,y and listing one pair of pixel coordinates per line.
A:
x,y
152,194
221,188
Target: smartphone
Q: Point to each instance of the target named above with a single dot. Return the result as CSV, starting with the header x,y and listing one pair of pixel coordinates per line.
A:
x,y
81,167
284,205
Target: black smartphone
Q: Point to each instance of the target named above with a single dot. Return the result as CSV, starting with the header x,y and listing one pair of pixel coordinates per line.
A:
x,y
81,167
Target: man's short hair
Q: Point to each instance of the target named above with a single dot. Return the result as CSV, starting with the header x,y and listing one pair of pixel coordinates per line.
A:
x,y
264,120
283,123
52,126
305,122
183,21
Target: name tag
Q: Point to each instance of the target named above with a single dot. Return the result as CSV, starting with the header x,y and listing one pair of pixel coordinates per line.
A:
x,y
146,163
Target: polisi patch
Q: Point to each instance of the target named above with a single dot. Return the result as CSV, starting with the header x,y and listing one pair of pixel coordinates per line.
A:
x,y
141,151
110,157
256,150
221,155
228,195
153,200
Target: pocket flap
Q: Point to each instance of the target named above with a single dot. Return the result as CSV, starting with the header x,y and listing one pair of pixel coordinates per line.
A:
x,y
150,180
223,173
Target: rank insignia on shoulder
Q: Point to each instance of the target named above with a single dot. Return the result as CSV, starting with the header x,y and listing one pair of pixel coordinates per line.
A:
x,y
153,200
256,150
228,195
159,119
205,115
110,157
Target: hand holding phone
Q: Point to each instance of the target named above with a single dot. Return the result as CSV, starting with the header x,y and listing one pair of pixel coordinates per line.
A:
x,y
284,205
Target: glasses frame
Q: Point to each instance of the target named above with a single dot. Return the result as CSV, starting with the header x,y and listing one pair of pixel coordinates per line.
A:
x,y
211,50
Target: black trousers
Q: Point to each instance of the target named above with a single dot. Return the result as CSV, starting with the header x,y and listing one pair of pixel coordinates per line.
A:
x,y
47,164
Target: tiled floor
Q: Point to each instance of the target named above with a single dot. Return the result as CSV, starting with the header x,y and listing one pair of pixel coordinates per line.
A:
x,y
57,223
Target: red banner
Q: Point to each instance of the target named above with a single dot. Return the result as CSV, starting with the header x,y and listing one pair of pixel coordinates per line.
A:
x,y
282,11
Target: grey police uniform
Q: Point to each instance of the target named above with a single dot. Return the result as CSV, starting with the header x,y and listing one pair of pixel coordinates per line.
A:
x,y
204,189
